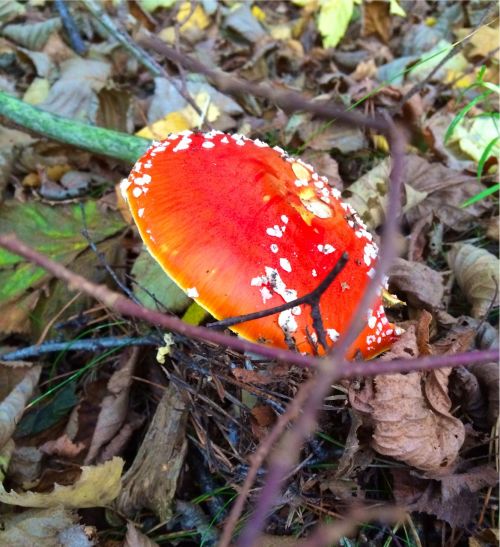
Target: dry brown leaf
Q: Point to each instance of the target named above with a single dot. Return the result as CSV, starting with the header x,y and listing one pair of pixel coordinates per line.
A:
x,y
97,486
477,274
12,407
151,481
114,406
377,19
134,538
446,190
368,195
422,286
412,427
251,376
62,446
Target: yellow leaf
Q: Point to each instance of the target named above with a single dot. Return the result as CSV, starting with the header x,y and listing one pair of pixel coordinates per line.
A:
x,y
197,20
171,123
97,486
396,9
258,13
333,20
380,143
37,92
210,112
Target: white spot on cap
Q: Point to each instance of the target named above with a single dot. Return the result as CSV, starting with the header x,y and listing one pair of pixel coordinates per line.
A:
x,y
266,294
274,248
314,273
275,231
145,179
193,292
137,191
287,322
284,219
224,140
208,144
333,334
124,185
140,212
301,182
326,249
317,207
285,264
372,321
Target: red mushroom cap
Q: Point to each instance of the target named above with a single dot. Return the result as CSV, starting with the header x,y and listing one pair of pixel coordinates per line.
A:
x,y
243,227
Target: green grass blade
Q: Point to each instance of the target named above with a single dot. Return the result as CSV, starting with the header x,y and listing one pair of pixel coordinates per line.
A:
x,y
485,155
478,197
460,116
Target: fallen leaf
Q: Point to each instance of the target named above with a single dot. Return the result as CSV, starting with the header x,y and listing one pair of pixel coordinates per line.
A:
x,y
414,427
487,375
333,20
446,190
134,538
74,95
421,286
97,486
62,446
32,35
431,59
241,20
25,466
154,289
477,274
452,498
474,134
376,19
483,41
12,406
42,528
151,481
114,406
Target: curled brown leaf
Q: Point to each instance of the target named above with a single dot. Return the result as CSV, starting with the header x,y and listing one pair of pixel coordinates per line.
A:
x,y
477,273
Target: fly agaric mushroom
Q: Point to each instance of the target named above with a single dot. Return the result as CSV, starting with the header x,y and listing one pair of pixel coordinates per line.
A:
x,y
243,227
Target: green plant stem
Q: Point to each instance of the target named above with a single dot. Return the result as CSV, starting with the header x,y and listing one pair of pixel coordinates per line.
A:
x,y
98,140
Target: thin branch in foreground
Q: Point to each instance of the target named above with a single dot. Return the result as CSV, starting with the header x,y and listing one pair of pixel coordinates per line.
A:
x,y
85,344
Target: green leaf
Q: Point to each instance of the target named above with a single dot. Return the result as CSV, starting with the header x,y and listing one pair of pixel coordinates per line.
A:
x,y
154,288
41,418
333,20
54,231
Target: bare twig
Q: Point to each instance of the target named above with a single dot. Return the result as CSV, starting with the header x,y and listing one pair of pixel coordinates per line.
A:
x,y
312,299
133,48
91,344
70,26
123,305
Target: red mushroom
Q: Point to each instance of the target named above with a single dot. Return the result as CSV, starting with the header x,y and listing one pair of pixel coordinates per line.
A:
x,y
243,227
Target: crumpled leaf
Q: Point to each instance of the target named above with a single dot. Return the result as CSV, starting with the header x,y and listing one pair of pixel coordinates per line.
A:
x,y
74,95
12,407
42,528
151,481
482,43
154,288
32,35
97,486
410,413
446,190
452,498
320,136
333,20
376,19
114,405
477,274
422,286
368,195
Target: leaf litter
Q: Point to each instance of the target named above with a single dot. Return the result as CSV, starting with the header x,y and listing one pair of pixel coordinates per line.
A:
x,y
187,429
